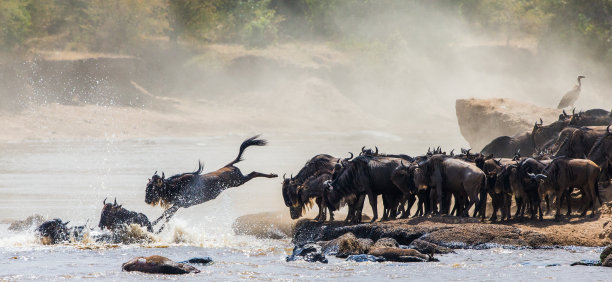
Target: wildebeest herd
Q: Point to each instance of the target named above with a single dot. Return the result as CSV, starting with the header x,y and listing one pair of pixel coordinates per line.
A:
x,y
549,165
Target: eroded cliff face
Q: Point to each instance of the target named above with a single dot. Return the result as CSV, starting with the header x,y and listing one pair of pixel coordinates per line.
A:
x,y
482,120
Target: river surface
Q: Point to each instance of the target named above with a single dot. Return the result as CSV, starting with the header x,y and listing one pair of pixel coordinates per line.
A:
x,y
70,179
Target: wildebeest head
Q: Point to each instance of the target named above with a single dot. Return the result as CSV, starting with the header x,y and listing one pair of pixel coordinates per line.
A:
x,y
109,214
403,178
53,231
154,190
114,216
502,179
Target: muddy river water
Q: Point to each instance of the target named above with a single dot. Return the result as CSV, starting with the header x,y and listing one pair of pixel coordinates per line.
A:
x,y
70,179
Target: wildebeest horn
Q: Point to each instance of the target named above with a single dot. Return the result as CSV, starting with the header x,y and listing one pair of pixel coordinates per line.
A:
x,y
451,153
574,111
291,176
66,223
608,129
376,153
104,202
540,177
402,164
564,113
284,174
362,149
163,175
349,158
541,122
155,173
115,201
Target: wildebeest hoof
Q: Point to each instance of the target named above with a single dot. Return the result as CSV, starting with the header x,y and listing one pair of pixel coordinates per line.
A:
x,y
157,264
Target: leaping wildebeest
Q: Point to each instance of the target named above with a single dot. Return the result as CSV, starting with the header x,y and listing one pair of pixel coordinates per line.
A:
x,y
192,188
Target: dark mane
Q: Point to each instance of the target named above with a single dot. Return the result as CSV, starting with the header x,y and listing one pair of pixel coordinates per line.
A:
x,y
343,184
314,165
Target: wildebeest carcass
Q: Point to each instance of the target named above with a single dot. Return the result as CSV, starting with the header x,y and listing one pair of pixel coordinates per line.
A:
x,y
322,163
565,173
465,181
192,188
115,216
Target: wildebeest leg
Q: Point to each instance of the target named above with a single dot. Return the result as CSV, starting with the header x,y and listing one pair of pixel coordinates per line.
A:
x,y
507,205
373,204
167,214
568,198
259,174
495,204
358,209
547,199
411,199
558,200
331,215
320,216
519,204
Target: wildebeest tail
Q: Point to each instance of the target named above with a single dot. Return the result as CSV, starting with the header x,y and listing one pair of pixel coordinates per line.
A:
x,y
253,141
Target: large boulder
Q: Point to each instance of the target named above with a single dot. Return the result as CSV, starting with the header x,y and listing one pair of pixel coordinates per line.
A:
x,y
265,225
386,243
606,253
348,245
30,222
158,265
482,120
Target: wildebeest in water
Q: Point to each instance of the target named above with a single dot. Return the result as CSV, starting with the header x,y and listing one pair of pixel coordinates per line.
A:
x,y
114,216
192,188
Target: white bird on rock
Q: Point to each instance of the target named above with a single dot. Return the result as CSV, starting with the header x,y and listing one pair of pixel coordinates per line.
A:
x,y
571,96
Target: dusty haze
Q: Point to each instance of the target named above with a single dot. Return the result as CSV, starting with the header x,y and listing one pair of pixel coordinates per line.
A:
x,y
392,80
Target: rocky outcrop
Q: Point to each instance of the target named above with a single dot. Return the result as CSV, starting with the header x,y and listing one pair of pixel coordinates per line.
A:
x,y
482,120
272,225
434,234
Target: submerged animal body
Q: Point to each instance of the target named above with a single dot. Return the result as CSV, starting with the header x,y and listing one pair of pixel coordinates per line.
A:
x,y
189,189
158,265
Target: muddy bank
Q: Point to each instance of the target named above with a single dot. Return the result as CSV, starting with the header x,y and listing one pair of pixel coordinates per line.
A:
x,y
482,120
469,233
